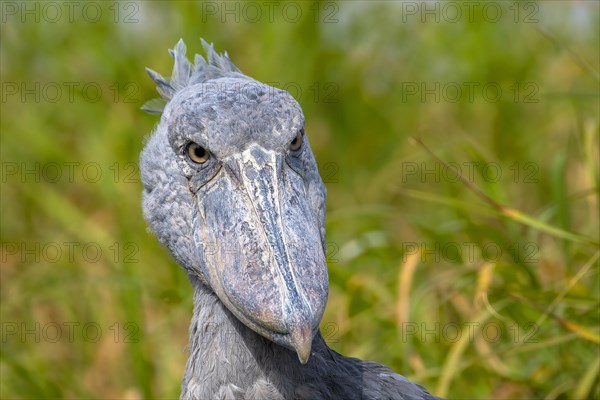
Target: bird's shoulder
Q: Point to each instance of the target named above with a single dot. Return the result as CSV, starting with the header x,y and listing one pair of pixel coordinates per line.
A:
x,y
365,380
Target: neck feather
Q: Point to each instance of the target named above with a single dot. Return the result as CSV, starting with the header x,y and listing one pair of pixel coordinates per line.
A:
x,y
230,361
224,352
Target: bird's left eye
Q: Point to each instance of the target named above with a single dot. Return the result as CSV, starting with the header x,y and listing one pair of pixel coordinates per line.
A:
x,y
298,140
197,153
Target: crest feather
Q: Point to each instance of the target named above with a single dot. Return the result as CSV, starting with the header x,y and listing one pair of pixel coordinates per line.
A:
x,y
185,74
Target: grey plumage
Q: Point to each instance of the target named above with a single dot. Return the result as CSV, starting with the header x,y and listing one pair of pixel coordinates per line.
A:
x,y
232,189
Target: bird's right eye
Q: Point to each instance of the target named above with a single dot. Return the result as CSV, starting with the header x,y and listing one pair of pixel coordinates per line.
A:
x,y
196,153
296,144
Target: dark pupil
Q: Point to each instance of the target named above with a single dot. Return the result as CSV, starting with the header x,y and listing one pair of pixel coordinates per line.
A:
x,y
199,152
295,141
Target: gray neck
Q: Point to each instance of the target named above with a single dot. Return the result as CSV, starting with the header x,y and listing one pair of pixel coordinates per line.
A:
x,y
230,361
225,354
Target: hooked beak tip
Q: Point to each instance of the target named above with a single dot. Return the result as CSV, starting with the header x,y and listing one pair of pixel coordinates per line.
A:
x,y
302,341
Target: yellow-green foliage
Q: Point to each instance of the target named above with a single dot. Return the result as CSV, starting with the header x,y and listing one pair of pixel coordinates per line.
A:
x,y
480,287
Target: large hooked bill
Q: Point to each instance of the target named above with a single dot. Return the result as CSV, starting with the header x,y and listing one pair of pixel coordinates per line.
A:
x,y
260,249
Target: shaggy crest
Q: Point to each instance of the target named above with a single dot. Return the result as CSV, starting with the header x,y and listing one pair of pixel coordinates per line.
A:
x,y
186,74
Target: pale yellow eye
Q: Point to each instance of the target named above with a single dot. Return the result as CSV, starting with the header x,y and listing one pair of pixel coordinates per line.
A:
x,y
197,153
297,142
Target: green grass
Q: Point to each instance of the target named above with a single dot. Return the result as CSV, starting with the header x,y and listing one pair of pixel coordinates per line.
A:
x,y
485,287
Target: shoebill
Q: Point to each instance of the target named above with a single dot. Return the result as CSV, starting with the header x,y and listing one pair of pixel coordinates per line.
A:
x,y
232,189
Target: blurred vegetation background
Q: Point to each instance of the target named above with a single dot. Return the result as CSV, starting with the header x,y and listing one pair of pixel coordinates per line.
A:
x,y
471,296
